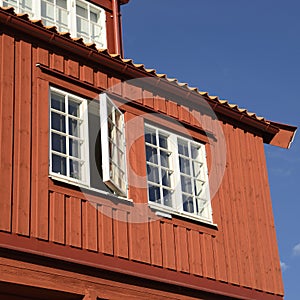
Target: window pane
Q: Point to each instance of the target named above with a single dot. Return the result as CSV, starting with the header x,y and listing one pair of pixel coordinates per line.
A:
x,y
58,143
167,194
195,151
81,10
58,122
73,108
164,159
75,171
186,184
47,10
74,148
150,138
198,187
82,26
196,169
153,174
163,141
154,193
73,127
166,178
151,155
188,204
94,17
183,148
62,3
184,165
57,101
59,164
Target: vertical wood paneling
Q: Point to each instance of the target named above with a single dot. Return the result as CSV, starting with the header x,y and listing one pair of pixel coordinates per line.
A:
x,y
42,56
121,233
39,158
148,99
208,261
72,68
139,240
105,230
155,243
160,104
101,80
182,254
278,285
115,85
229,212
168,245
87,74
195,253
22,137
73,222
57,226
172,109
6,125
57,62
89,226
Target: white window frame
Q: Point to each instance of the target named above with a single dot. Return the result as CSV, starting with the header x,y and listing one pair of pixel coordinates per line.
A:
x,y
83,139
113,164
177,193
72,18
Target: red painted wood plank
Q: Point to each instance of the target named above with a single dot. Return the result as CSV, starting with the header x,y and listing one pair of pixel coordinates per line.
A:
x,y
72,68
57,226
89,226
42,56
139,243
101,80
115,85
207,256
172,109
195,254
155,243
132,92
6,126
184,114
182,254
121,233
39,157
105,230
87,74
148,99
160,104
73,222
22,139
57,62
168,246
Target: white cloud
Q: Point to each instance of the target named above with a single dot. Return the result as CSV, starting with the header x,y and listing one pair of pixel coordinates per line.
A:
x,y
296,250
283,266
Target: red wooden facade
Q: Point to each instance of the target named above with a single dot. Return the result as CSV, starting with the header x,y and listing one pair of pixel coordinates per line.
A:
x,y
56,243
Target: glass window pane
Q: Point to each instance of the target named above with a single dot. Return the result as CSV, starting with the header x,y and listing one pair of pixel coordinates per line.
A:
x,y
73,108
62,3
198,187
82,26
74,148
57,101
195,151
188,204
73,127
150,137
61,18
94,16
151,154
153,174
197,169
47,10
184,165
183,148
58,122
164,159
186,184
59,164
75,170
163,141
166,178
58,143
81,10
154,193
167,195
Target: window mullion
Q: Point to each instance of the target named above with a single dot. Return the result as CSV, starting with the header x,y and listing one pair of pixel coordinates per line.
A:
x,y
176,174
192,178
68,134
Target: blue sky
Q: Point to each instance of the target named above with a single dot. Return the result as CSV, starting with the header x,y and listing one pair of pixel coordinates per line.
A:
x,y
247,52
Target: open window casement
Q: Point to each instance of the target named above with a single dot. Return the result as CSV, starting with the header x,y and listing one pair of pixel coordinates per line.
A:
x,y
113,146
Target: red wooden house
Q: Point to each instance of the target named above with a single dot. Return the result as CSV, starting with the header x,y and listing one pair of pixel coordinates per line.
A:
x,y
118,182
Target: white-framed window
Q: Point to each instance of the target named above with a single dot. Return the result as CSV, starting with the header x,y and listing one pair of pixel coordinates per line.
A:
x,y
113,145
177,173
79,17
75,153
69,156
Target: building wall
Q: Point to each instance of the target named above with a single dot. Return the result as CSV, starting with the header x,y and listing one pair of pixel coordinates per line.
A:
x,y
240,251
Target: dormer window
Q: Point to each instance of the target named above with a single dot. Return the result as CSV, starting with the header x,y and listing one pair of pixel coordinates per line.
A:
x,y
80,18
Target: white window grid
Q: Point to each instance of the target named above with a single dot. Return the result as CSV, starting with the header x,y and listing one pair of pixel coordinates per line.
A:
x,y
79,17
188,193
74,148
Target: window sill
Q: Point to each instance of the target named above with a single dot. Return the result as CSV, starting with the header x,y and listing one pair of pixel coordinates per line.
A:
x,y
169,213
85,189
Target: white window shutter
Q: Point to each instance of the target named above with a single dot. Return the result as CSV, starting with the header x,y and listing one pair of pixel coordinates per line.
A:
x,y
113,146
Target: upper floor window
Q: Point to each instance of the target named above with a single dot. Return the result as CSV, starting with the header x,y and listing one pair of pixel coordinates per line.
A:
x,y
79,17
177,173
76,130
